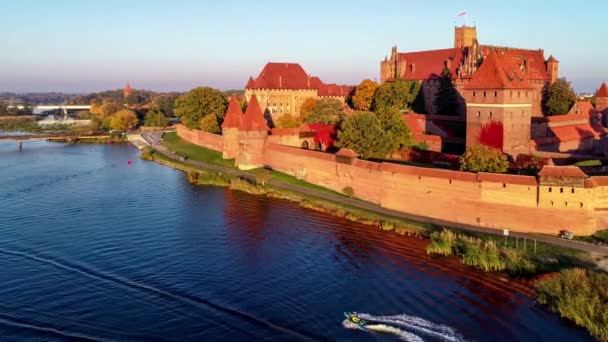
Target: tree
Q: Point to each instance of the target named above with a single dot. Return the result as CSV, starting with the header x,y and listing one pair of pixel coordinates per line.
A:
x,y
122,120
3,108
446,101
156,118
306,108
364,94
165,103
198,103
362,132
482,158
105,109
327,111
558,98
287,121
399,94
391,120
209,124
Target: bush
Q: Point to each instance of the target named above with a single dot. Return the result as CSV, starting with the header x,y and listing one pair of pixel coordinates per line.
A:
x,y
209,124
482,158
441,243
348,191
155,118
484,255
147,153
579,295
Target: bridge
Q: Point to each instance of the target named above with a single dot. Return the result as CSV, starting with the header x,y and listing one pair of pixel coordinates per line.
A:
x,y
40,109
57,136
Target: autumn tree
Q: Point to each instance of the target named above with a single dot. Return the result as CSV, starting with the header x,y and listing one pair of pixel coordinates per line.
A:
x,y
210,124
122,120
199,103
363,133
364,94
327,111
287,121
391,120
155,118
306,108
482,158
446,101
105,109
558,97
400,94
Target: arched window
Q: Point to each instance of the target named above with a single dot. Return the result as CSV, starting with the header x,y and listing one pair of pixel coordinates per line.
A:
x,y
305,144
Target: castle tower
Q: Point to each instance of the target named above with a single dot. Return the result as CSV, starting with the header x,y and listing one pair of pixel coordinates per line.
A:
x,y
127,91
252,135
553,68
464,36
230,129
499,107
601,99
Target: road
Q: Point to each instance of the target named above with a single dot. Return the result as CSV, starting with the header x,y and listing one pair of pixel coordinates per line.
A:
x,y
600,253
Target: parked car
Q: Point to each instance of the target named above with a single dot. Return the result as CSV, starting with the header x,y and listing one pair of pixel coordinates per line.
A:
x,y
564,234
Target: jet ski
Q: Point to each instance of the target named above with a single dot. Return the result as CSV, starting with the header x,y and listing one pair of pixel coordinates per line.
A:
x,y
353,317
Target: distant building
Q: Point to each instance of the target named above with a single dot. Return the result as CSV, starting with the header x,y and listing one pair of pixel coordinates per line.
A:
x,y
127,91
282,88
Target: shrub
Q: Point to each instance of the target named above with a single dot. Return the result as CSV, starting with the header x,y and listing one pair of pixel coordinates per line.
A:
x,y
441,243
484,255
579,295
147,153
481,158
209,124
348,191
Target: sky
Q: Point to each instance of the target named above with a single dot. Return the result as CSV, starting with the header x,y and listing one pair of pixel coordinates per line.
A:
x,y
91,45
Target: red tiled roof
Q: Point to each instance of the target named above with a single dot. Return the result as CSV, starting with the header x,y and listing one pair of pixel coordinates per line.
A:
x,y
422,65
562,171
579,132
234,114
536,68
603,91
412,122
293,76
253,120
581,107
496,73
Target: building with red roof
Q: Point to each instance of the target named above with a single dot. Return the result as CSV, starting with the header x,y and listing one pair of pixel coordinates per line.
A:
x,y
463,61
282,88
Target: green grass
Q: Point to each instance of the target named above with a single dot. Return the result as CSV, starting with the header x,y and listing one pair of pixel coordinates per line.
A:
x,y
579,295
493,253
289,179
599,236
193,152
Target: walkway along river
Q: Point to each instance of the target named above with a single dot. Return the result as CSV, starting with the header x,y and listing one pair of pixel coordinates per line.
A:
x,y
94,248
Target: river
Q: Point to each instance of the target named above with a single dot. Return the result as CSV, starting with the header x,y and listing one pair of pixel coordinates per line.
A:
x,y
92,247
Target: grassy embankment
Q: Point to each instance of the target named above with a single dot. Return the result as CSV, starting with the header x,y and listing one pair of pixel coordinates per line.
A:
x,y
483,251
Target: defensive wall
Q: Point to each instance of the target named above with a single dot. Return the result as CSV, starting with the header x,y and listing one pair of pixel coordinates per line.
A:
x,y
514,202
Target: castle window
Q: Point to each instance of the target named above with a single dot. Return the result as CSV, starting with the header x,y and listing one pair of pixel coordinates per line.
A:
x,y
511,93
484,94
581,204
473,94
566,204
518,93
561,190
495,94
550,189
490,114
572,190
551,203
504,185
478,114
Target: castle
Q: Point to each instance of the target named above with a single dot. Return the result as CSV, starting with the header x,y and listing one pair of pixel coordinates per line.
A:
x,y
499,96
282,88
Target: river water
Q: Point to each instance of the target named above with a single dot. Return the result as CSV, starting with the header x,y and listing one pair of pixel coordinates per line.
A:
x,y
94,248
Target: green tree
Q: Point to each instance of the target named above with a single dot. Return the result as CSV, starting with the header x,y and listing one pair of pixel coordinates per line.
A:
x,y
391,120
165,103
364,94
155,118
446,101
482,158
362,132
558,98
198,103
287,121
209,124
399,94
327,111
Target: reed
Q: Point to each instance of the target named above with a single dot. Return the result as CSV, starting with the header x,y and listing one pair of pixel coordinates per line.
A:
x,y
579,295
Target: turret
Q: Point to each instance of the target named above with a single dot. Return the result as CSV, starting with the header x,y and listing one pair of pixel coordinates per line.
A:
x,y
601,99
252,135
127,91
464,36
553,68
230,129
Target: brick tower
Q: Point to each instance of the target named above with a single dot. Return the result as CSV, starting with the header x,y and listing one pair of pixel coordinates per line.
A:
x,y
127,91
552,68
601,99
252,135
464,36
230,129
499,107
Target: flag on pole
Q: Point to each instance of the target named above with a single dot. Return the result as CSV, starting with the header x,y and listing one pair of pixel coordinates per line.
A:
x,y
461,14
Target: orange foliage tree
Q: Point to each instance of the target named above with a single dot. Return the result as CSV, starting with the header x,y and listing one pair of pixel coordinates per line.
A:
x,y
362,100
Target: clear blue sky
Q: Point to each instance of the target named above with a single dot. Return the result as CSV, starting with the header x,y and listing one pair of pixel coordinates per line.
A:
x,y
82,46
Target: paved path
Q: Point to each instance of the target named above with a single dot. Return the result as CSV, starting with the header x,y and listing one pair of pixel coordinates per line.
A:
x,y
598,252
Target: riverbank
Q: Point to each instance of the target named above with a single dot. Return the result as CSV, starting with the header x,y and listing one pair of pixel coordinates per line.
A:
x,y
486,252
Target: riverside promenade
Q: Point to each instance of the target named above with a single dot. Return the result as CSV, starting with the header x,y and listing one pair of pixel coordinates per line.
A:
x,y
598,253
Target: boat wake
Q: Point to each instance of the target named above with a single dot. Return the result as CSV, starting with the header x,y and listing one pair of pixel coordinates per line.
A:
x,y
407,328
